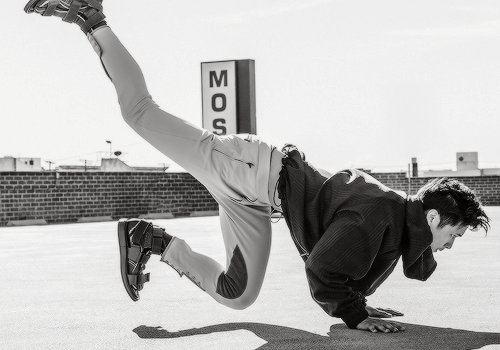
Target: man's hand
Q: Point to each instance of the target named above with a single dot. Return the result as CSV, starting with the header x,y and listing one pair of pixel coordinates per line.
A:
x,y
377,325
382,313
374,324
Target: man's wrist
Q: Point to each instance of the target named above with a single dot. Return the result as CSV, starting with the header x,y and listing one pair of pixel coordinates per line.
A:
x,y
355,316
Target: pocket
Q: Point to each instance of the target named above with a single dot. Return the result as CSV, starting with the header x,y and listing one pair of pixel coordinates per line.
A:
x,y
243,200
239,161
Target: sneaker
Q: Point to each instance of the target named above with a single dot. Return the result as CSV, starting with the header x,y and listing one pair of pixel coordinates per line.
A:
x,y
86,13
138,239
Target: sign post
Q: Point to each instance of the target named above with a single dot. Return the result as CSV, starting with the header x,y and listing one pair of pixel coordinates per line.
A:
x,y
228,97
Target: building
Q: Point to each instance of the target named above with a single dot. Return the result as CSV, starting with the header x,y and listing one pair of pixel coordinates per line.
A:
x,y
467,165
111,165
20,164
11,164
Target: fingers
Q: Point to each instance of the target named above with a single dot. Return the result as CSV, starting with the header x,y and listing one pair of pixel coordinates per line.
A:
x,y
377,325
387,327
391,312
381,313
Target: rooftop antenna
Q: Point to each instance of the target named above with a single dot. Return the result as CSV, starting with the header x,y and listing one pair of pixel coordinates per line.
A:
x,y
50,164
86,161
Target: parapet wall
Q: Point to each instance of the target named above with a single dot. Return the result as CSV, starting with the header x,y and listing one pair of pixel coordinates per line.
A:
x,y
70,196
486,187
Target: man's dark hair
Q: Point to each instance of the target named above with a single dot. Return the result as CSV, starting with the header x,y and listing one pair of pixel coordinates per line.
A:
x,y
456,204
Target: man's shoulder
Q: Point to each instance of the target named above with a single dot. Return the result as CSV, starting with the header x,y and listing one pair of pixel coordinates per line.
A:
x,y
360,181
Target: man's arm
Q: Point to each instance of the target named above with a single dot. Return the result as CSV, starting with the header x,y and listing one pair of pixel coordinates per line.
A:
x,y
346,251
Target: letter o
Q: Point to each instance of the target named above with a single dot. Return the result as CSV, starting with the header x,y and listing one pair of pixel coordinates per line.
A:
x,y
214,100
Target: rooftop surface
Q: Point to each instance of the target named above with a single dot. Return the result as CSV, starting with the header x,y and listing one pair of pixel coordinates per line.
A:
x,y
62,290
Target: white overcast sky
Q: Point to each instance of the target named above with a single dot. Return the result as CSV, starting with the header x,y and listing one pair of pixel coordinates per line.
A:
x,y
353,83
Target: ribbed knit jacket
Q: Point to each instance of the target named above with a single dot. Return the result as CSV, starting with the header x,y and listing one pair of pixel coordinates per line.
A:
x,y
351,230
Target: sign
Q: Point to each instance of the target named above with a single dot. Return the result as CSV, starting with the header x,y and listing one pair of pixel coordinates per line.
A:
x,y
219,97
228,94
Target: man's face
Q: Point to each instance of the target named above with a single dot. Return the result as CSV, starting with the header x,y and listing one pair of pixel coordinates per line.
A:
x,y
443,237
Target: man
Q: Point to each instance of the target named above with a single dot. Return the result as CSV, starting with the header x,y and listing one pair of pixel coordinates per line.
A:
x,y
349,229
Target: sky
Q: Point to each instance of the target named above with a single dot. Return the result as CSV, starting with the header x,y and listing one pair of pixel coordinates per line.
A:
x,y
367,84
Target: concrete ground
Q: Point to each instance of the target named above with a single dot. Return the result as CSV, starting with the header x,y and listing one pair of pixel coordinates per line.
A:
x,y
62,289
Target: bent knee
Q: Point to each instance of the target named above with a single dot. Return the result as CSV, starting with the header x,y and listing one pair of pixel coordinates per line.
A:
x,y
233,284
243,302
234,292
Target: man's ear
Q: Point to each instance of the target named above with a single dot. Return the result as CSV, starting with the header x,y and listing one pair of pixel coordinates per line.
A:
x,y
433,217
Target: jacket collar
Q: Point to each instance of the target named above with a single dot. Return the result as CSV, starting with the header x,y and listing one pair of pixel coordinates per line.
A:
x,y
418,260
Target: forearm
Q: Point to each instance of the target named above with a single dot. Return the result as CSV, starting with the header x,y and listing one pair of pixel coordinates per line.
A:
x,y
338,300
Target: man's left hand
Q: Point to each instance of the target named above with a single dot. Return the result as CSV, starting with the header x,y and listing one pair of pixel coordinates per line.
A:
x,y
382,312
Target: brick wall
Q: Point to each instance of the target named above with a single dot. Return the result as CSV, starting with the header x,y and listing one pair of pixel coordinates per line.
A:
x,y
69,196
486,187
73,195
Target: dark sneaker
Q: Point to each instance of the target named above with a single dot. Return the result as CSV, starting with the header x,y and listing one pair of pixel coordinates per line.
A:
x,y
138,239
86,13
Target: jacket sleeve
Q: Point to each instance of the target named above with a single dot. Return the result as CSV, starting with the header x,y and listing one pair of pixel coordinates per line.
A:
x,y
346,251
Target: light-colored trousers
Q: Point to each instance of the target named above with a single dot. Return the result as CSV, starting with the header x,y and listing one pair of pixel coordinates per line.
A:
x,y
235,169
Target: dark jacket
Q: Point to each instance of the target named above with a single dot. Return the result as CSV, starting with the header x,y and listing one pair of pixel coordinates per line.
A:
x,y
351,231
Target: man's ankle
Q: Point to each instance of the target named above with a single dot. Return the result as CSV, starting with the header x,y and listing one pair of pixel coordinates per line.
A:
x,y
166,241
97,26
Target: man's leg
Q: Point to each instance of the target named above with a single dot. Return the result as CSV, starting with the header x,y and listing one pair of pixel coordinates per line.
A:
x,y
181,141
246,230
197,150
247,239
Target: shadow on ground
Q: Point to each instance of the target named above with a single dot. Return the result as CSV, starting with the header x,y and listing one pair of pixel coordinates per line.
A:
x,y
340,337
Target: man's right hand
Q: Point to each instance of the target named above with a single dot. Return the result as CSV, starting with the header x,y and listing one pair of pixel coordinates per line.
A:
x,y
379,325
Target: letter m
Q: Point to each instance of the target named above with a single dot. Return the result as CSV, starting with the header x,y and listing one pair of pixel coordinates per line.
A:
x,y
218,81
